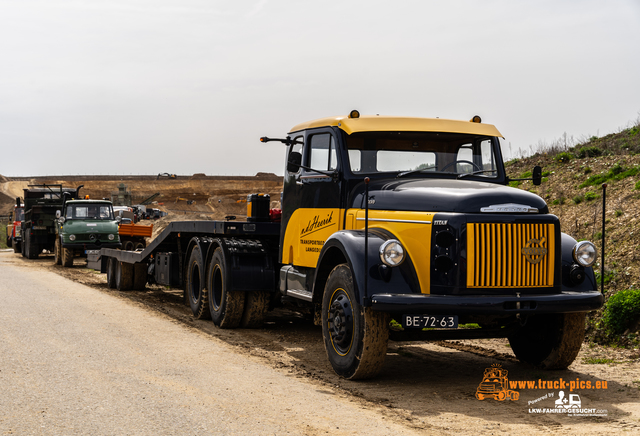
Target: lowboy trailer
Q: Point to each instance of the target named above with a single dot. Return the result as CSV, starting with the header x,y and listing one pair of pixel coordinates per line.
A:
x,y
385,218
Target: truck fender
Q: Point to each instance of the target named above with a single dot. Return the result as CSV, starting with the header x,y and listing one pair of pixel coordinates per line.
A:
x,y
347,246
589,283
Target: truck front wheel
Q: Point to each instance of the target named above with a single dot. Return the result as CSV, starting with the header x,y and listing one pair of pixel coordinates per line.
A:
x,y
225,304
57,252
67,257
17,247
355,337
549,341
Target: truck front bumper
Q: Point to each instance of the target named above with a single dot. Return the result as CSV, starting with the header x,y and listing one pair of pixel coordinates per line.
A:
x,y
82,246
531,304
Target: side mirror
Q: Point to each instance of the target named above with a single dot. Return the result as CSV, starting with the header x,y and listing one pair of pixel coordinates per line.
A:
x,y
58,214
295,160
537,175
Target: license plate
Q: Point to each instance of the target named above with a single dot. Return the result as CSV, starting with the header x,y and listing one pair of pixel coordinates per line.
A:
x,y
430,321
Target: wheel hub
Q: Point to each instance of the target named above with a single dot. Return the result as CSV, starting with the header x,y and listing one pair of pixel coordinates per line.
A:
x,y
341,323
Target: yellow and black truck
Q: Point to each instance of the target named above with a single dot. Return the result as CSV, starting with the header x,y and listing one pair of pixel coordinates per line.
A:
x,y
385,219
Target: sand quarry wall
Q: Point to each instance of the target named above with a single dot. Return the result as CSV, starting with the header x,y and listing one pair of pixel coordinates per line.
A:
x,y
210,196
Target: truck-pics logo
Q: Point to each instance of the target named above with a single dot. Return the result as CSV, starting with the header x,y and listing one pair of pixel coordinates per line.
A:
x,y
495,384
317,224
534,250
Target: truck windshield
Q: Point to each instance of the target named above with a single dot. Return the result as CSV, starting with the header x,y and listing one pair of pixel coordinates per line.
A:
x,y
19,214
89,211
422,152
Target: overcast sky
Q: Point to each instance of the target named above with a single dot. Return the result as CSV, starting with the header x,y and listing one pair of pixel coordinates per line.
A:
x,y
189,86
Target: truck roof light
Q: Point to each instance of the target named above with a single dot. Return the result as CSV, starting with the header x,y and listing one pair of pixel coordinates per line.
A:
x,y
476,119
354,114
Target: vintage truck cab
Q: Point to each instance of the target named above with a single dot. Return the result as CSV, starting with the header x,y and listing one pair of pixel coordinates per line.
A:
x,y
411,219
84,225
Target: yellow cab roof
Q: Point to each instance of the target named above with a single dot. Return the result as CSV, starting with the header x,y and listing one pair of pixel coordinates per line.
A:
x,y
375,123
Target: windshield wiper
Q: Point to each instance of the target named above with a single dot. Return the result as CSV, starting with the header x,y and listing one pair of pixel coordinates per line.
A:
x,y
475,172
406,173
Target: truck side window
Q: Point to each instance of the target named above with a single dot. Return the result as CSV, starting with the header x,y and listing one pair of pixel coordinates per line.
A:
x,y
322,152
296,147
488,161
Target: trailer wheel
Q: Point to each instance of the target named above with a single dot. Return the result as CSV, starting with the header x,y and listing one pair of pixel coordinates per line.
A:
x,y
197,291
140,246
139,276
355,337
128,246
256,304
67,257
111,273
57,252
124,276
226,305
550,341
17,247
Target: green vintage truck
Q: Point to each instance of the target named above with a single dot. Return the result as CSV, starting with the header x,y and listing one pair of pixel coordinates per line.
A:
x,y
84,225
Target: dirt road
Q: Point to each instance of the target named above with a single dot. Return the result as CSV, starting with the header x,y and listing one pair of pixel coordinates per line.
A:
x,y
77,358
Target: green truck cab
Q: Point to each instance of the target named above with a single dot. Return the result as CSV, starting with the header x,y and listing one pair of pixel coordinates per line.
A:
x,y
84,225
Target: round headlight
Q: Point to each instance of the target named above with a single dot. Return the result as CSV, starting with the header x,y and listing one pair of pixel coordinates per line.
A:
x,y
584,253
111,236
392,253
72,237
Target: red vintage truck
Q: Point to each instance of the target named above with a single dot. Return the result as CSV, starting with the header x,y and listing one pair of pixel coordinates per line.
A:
x,y
14,228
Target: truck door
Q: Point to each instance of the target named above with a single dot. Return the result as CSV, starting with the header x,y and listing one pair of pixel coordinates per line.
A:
x,y
311,204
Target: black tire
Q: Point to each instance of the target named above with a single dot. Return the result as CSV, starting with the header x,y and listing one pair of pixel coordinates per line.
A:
x,y
128,246
140,246
111,273
355,337
67,257
550,341
124,276
256,304
57,252
197,292
17,247
23,246
31,250
139,276
9,242
225,305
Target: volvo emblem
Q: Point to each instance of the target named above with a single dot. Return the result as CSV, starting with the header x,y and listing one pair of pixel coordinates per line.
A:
x,y
534,250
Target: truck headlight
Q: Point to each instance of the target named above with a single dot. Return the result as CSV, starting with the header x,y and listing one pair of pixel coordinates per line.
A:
x,y
392,253
111,236
584,253
72,237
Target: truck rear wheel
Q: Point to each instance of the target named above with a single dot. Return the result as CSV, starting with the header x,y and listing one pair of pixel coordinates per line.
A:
x,y
226,305
111,272
31,250
67,257
57,252
355,337
197,291
550,341
256,304
124,276
17,247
